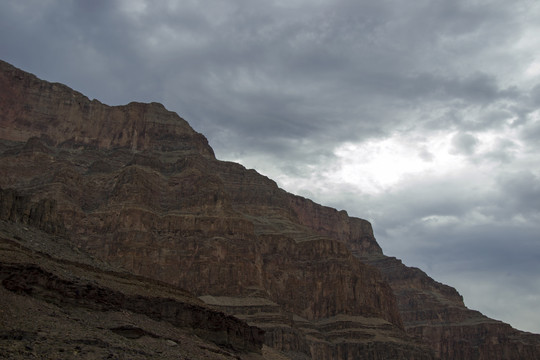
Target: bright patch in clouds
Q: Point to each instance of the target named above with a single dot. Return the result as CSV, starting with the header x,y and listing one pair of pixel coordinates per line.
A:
x,y
381,166
377,165
533,69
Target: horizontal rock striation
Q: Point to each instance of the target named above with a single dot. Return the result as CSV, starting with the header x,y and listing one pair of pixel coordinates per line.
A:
x,y
52,295
34,108
178,223
135,186
435,314
221,329
176,214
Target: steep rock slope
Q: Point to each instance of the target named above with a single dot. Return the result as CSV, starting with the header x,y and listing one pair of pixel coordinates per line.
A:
x,y
58,302
136,186
176,214
435,314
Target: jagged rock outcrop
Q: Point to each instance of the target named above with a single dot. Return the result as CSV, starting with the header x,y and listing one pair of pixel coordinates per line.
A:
x,y
136,186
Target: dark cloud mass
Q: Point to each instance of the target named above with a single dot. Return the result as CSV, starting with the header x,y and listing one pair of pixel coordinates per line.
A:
x,y
423,117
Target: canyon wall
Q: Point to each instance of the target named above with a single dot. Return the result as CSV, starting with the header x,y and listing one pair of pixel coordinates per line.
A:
x,y
135,186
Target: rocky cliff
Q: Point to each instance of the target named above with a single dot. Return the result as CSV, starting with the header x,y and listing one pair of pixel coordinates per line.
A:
x,y
135,186
56,301
435,314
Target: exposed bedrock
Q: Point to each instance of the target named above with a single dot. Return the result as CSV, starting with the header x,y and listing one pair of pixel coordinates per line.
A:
x,y
136,186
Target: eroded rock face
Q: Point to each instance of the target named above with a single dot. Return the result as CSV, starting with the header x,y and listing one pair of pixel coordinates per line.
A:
x,y
19,209
59,302
136,186
34,108
215,326
177,223
435,314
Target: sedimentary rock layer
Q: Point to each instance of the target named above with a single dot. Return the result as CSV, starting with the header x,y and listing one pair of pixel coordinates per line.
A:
x,y
57,301
135,186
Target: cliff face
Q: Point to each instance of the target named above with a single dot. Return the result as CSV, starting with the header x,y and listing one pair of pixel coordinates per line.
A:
x,y
34,108
136,186
20,209
57,301
435,314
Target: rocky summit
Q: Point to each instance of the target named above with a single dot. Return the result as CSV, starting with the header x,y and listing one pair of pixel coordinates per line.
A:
x,y
122,236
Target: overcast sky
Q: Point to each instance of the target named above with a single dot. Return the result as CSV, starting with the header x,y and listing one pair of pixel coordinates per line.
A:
x,y
420,116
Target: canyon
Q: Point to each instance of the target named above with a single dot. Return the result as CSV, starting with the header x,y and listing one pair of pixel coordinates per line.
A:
x,y
137,241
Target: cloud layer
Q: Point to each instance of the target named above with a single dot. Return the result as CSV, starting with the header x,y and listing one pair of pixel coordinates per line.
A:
x,y
422,117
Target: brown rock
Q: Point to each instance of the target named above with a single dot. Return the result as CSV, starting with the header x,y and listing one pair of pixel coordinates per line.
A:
x,y
435,314
57,301
135,186
19,209
34,108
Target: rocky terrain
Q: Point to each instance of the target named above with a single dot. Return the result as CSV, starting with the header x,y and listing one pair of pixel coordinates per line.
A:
x,y
136,203
58,302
